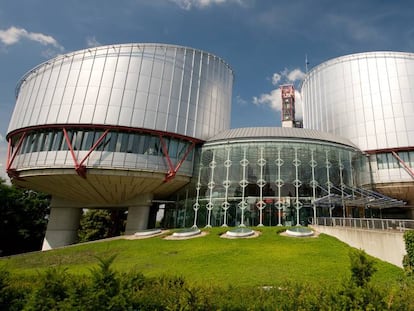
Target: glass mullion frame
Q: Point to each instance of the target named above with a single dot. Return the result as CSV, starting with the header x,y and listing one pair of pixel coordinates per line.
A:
x,y
42,141
112,142
130,143
26,144
392,161
136,143
34,142
173,148
123,140
77,139
88,140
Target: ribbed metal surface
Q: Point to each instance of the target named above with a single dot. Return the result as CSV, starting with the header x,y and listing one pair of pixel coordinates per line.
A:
x,y
365,97
274,133
154,86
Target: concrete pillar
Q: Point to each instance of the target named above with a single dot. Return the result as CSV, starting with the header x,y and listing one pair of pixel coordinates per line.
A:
x,y
138,214
62,227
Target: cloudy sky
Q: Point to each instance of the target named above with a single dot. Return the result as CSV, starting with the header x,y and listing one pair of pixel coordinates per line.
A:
x,y
265,41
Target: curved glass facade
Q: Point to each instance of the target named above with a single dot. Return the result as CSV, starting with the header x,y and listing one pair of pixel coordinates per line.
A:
x,y
129,149
268,182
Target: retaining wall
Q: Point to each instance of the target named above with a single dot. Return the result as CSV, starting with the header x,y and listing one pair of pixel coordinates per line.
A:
x,y
385,245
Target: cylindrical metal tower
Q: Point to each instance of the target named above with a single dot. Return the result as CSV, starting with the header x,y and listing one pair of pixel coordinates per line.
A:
x,y
369,99
116,125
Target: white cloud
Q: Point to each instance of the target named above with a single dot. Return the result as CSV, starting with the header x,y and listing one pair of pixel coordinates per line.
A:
x,y
273,99
295,75
91,42
288,76
189,4
276,78
241,101
14,35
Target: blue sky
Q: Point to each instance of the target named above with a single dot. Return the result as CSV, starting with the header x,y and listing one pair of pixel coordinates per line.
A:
x,y
264,41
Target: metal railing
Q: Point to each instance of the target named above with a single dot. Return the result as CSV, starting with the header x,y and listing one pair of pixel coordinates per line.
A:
x,y
366,223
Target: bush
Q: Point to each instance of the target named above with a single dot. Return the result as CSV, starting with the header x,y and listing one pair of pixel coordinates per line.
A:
x,y
362,267
408,261
106,289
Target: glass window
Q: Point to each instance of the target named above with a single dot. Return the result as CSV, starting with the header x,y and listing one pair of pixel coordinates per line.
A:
x,y
124,137
43,141
77,140
382,161
404,155
130,143
392,161
113,142
58,141
105,142
88,140
173,148
136,144
51,137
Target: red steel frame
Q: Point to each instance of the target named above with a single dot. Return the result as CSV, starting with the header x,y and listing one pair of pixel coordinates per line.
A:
x,y
80,166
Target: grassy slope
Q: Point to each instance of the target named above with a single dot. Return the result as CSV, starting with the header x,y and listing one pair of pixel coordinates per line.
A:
x,y
266,260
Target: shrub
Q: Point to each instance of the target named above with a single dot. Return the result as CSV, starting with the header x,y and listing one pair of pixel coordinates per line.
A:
x,y
362,267
408,261
49,291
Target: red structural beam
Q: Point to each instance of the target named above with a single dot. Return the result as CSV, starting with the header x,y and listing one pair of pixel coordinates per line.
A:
x,y
95,145
80,167
10,157
172,171
407,168
72,152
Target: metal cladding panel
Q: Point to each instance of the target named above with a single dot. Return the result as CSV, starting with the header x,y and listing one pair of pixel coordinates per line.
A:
x,y
153,86
367,98
253,134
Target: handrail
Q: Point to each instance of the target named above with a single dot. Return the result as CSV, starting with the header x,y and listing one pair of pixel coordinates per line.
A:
x,y
365,223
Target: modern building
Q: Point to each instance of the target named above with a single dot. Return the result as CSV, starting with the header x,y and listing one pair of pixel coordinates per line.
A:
x,y
369,99
274,175
114,127
136,125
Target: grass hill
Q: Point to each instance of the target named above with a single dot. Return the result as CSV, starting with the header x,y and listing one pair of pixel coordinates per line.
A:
x,y
269,259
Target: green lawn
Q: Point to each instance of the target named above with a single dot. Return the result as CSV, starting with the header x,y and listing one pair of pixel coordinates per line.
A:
x,y
266,260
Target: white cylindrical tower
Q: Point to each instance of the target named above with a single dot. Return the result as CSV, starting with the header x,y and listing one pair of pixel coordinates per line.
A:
x,y
369,99
116,125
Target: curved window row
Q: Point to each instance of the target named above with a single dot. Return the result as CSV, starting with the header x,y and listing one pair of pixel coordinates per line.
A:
x,y
388,161
114,141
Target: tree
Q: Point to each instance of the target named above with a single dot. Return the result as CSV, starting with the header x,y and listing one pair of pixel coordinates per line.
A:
x,y
23,219
98,224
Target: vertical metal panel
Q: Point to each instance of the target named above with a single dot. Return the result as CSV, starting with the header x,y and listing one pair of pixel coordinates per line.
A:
x,y
162,87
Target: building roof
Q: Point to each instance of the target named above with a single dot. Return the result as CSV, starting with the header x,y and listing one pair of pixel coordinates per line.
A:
x,y
278,133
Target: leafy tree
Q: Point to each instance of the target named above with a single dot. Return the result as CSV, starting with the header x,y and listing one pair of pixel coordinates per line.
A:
x,y
98,224
23,219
